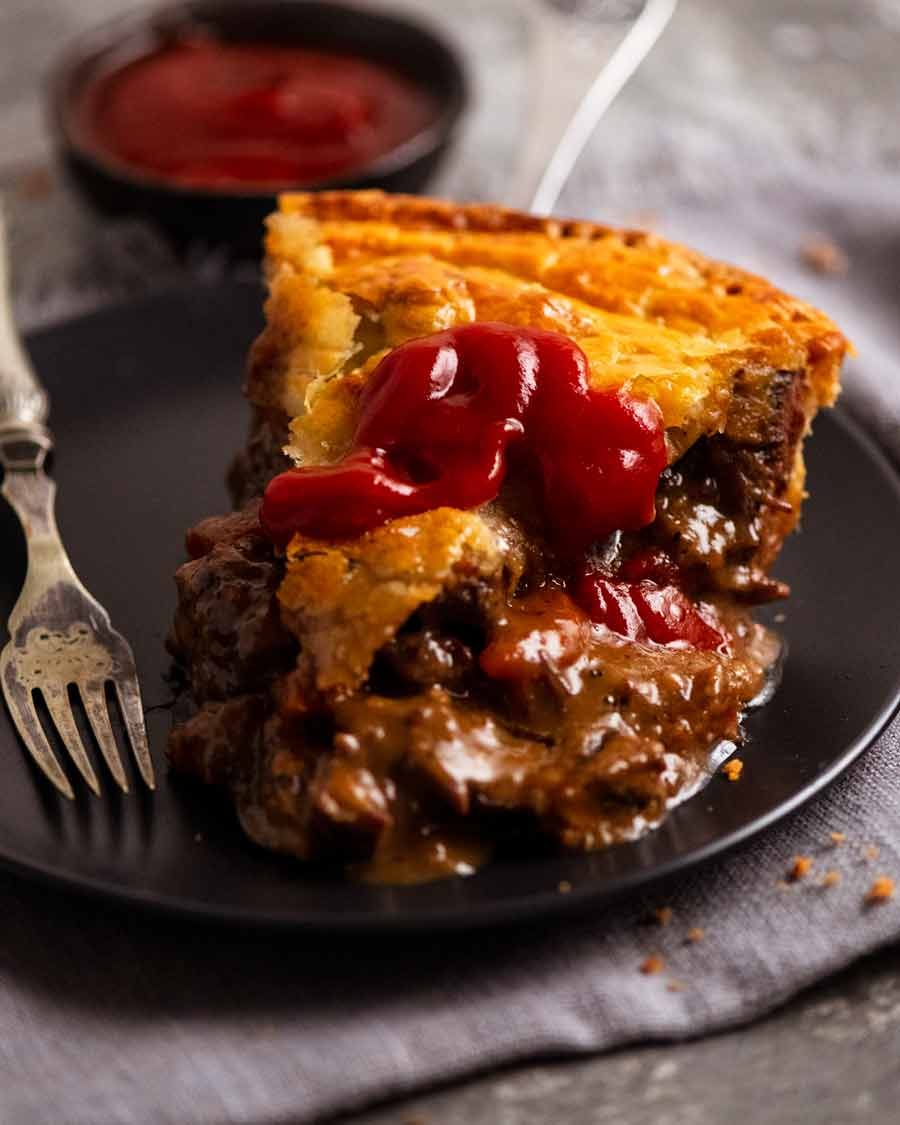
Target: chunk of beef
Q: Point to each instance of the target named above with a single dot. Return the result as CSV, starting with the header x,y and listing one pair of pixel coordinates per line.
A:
x,y
227,628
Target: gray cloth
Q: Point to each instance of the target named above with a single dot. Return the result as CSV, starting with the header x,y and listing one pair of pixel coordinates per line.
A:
x,y
113,1018
108,1018
123,1019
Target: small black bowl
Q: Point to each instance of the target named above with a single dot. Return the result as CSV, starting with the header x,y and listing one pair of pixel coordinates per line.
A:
x,y
233,216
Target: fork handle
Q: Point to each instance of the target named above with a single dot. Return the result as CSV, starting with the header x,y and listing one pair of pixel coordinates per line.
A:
x,y
30,491
23,401
585,52
25,442
32,494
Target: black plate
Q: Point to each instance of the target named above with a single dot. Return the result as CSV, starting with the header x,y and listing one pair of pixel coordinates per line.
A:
x,y
147,410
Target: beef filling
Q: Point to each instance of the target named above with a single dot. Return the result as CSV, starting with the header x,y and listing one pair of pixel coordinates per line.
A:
x,y
421,771
443,752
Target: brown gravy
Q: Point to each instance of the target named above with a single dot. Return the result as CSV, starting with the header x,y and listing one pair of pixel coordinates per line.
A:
x,y
424,770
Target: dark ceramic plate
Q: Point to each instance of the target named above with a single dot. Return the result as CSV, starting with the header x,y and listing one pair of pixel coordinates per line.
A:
x,y
147,410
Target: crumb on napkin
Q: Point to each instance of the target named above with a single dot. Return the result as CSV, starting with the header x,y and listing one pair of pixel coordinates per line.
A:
x,y
36,183
882,890
824,256
800,868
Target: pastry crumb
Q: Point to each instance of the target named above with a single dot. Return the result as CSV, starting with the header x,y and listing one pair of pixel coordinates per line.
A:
x,y
652,964
564,886
36,183
871,852
824,256
800,868
733,769
882,890
837,838
645,220
675,986
663,915
695,934
831,878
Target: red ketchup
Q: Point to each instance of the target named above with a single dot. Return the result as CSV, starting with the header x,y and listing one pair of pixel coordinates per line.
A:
x,y
208,113
645,602
443,418
441,421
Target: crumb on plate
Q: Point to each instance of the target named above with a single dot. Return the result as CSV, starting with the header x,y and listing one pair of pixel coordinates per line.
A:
x,y
652,964
733,769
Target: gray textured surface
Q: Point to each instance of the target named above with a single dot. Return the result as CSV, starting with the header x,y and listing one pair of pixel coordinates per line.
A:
x,y
741,99
828,1058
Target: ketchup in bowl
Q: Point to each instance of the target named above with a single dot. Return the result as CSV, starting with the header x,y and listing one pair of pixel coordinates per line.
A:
x,y
208,113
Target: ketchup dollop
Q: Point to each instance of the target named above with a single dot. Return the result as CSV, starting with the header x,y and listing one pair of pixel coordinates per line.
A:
x,y
209,113
443,418
645,602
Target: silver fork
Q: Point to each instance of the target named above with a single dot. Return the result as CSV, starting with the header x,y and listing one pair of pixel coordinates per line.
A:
x,y
586,50
61,639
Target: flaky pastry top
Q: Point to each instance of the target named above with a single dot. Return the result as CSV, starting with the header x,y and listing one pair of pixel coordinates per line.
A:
x,y
353,274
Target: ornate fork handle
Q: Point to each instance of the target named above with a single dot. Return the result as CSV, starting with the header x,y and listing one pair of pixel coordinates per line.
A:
x,y
25,484
24,444
23,401
32,493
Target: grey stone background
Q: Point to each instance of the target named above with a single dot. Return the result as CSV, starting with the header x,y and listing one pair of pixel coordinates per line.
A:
x,y
742,100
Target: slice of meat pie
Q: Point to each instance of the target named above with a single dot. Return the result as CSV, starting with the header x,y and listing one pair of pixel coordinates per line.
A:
x,y
510,486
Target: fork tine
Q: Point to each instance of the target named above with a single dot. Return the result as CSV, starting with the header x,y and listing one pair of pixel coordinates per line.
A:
x,y
21,707
94,700
60,709
129,694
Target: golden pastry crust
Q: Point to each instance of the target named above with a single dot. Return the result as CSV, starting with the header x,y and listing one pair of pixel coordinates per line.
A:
x,y
344,601
353,274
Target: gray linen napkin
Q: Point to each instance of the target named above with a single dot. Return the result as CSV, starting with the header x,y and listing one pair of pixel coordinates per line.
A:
x,y
111,1018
